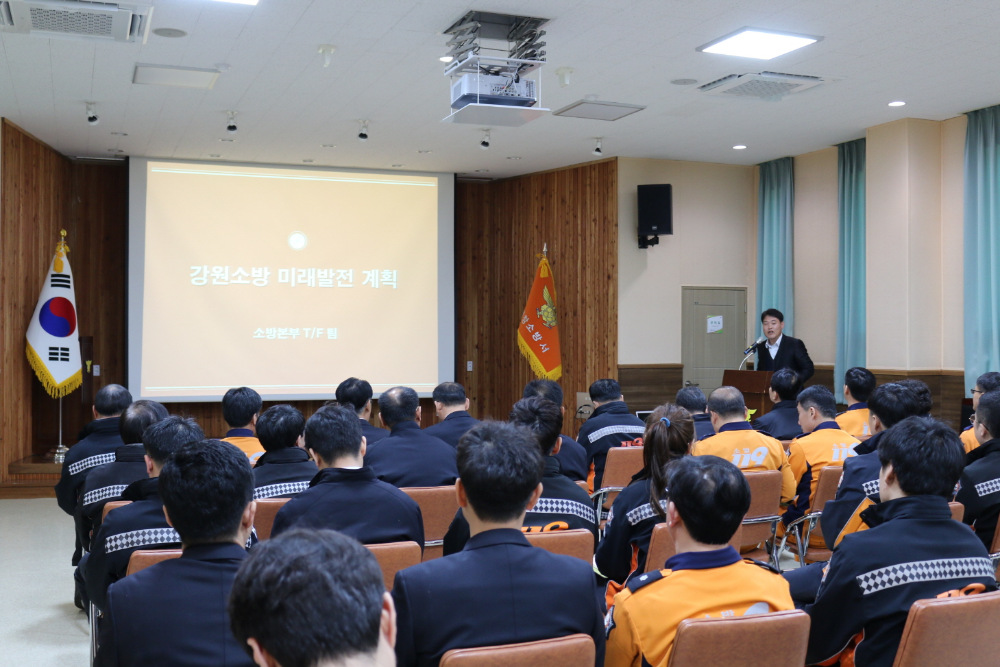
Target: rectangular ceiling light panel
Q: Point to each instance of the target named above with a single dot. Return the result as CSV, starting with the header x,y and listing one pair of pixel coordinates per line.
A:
x,y
179,77
759,44
594,110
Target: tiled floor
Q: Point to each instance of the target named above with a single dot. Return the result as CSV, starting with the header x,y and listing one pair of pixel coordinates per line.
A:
x,y
39,626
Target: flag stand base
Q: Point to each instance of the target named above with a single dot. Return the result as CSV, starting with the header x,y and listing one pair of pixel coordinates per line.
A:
x,y
62,449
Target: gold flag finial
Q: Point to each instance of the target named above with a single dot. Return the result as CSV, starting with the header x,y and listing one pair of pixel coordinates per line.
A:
x,y
545,249
62,246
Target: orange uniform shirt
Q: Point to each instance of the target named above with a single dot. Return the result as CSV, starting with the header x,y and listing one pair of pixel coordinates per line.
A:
x,y
750,451
247,443
855,421
969,439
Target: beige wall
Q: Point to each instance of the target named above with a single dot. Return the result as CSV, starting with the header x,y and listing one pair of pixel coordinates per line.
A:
x,y
817,240
713,244
952,225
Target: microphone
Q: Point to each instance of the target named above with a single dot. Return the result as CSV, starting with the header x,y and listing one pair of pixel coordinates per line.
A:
x,y
755,345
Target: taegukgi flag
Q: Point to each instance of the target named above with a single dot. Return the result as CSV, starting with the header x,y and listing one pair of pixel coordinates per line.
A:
x,y
538,334
53,336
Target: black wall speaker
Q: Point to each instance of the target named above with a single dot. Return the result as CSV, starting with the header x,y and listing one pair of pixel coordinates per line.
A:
x,y
656,209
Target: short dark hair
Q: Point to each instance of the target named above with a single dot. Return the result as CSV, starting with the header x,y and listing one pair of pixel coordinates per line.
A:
x,y
727,402
239,405
860,382
773,312
137,417
540,416
500,466
307,597
206,486
819,397
279,427
988,412
168,435
398,405
786,383
449,394
692,399
547,389
712,496
355,393
606,390
892,403
988,381
926,455
111,400
333,432
925,400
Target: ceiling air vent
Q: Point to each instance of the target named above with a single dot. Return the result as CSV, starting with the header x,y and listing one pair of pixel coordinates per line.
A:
x,y
77,19
765,85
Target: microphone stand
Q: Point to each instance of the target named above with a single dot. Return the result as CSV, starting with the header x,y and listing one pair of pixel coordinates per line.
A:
x,y
745,359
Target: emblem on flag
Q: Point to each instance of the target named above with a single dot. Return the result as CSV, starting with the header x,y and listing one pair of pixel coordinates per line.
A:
x,y
53,340
538,333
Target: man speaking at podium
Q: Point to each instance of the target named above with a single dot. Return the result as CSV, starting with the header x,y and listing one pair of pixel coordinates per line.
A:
x,y
780,351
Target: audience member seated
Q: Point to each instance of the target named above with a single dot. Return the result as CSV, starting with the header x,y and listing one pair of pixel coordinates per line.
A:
x,y
984,383
572,456
499,589
95,449
979,487
240,408
736,441
621,555
357,394
693,400
707,498
285,468
175,612
141,524
409,457
782,422
563,505
452,409
611,425
345,495
822,445
333,607
913,551
859,383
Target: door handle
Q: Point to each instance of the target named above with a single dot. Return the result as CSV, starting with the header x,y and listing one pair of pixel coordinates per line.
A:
x,y
688,383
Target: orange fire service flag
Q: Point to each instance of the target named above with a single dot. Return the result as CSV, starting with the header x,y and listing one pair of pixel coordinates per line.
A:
x,y
537,334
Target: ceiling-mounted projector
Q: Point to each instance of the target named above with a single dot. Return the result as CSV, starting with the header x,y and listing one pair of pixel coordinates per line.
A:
x,y
491,89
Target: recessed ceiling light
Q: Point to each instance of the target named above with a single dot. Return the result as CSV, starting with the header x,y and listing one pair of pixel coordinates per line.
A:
x,y
897,103
423,152
513,157
309,160
214,155
240,2
759,44
738,147
119,134
684,82
482,171
169,32
446,59
328,145
181,77
397,165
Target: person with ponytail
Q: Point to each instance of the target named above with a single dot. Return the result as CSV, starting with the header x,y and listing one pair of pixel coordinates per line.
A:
x,y
639,507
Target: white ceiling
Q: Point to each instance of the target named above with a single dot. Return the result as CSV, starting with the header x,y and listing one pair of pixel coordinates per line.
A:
x,y
939,56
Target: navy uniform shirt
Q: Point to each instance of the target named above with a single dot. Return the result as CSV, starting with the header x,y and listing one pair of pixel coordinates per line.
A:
x,y
175,613
372,433
106,483
782,422
96,449
703,426
858,490
356,504
453,427
409,457
573,459
498,590
979,490
282,473
611,425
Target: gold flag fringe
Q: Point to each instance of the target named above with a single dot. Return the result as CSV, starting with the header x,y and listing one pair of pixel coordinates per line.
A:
x,y
536,365
55,390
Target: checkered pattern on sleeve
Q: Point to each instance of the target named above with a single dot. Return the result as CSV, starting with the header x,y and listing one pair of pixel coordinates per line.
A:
x,y
870,487
137,539
924,570
283,489
103,493
563,506
91,462
986,488
643,512
619,428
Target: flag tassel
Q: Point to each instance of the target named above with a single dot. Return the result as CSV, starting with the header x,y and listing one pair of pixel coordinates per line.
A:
x,y
54,389
536,366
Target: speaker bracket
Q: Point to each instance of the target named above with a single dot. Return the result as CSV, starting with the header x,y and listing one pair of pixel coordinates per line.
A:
x,y
648,241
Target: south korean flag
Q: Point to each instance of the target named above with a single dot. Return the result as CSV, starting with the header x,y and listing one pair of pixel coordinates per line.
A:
x,y
53,346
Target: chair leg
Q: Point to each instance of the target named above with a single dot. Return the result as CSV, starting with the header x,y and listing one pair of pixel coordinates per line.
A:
x,y
93,633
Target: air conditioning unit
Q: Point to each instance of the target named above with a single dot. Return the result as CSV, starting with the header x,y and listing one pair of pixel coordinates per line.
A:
x,y
77,19
763,85
490,89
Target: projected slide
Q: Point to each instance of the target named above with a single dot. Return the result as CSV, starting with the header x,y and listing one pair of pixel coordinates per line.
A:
x,y
286,280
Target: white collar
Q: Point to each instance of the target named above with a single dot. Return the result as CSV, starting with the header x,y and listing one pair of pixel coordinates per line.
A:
x,y
777,343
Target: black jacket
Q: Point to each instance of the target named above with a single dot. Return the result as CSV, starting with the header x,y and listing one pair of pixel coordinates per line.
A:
x,y
372,433
354,503
282,473
611,425
913,551
106,483
409,457
782,422
703,426
96,449
858,489
622,552
563,506
498,590
139,525
452,427
792,354
175,613
573,459
979,490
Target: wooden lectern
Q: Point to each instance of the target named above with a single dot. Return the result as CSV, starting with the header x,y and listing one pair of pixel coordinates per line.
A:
x,y
754,386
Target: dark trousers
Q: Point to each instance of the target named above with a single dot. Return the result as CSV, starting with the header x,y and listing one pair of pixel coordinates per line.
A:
x,y
803,583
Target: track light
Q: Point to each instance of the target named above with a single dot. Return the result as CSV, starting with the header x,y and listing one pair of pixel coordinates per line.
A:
x,y
363,134
231,122
485,143
597,149
91,114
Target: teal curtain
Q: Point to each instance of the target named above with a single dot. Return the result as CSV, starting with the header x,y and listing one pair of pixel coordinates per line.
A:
x,y
851,319
775,278
982,244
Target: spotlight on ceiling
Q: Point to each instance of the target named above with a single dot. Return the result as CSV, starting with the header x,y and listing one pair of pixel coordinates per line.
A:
x,y
485,143
363,134
759,44
231,122
897,103
597,149
92,117
739,147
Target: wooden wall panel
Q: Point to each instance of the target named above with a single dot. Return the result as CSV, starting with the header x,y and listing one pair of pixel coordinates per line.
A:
x,y
947,389
499,229
645,386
